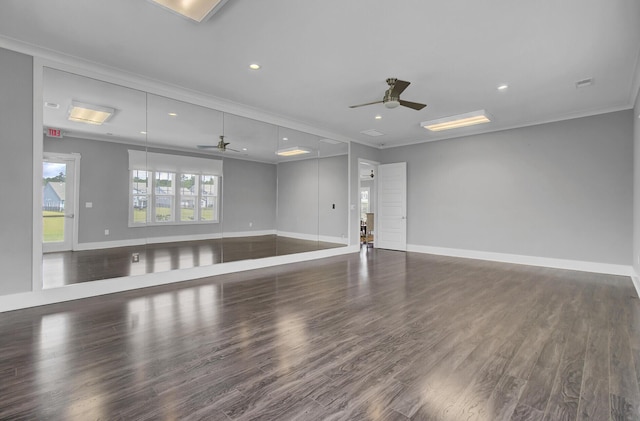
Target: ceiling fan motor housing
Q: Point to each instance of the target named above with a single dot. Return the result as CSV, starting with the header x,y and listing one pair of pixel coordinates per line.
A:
x,y
390,100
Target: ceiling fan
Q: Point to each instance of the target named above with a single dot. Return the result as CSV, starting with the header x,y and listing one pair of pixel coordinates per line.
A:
x,y
391,97
221,146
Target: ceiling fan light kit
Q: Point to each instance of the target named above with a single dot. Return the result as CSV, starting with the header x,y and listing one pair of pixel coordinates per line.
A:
x,y
456,121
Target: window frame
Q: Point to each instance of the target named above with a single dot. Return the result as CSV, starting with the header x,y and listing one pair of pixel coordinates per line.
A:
x,y
176,197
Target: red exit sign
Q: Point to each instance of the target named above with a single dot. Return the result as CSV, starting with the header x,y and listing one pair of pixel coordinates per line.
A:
x,y
54,132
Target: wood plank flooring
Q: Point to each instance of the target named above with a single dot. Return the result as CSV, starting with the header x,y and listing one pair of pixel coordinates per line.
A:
x,y
379,335
72,267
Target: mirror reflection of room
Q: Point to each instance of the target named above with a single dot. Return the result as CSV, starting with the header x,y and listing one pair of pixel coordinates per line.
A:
x,y
163,185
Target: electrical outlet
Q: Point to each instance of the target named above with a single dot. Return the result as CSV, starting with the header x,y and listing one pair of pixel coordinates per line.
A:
x,y
106,232
88,205
333,206
135,257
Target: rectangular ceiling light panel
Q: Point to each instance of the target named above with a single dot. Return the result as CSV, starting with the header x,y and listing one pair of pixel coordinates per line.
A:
x,y
197,10
456,121
296,150
89,114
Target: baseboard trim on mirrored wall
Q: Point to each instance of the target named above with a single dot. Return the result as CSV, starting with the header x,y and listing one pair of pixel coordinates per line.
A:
x,y
168,239
606,268
313,237
109,286
636,281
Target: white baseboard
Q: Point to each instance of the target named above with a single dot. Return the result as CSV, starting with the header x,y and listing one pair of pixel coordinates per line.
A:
x,y
109,244
606,268
313,237
248,233
169,239
110,286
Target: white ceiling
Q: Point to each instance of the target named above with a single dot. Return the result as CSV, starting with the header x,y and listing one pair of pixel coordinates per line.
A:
x,y
320,57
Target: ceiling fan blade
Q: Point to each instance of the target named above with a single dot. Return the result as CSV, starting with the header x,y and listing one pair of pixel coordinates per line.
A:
x,y
399,87
207,146
414,105
362,105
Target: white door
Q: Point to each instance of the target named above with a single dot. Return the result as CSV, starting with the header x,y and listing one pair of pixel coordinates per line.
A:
x,y
58,202
391,223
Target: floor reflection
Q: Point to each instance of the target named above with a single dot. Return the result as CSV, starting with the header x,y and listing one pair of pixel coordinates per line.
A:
x,y
65,268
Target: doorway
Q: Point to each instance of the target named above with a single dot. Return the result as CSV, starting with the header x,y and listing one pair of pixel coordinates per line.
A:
x,y
367,171
59,202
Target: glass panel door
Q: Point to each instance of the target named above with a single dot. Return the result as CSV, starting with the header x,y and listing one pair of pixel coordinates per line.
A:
x,y
58,202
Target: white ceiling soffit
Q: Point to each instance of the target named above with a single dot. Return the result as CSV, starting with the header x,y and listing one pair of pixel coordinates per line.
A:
x,y
318,58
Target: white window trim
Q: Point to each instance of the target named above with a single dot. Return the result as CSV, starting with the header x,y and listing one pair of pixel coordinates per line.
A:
x,y
177,200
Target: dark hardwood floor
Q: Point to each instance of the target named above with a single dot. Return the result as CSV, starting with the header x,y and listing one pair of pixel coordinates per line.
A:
x,y
379,335
72,267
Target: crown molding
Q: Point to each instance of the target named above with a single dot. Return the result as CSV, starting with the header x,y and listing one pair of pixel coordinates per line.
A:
x,y
565,117
54,59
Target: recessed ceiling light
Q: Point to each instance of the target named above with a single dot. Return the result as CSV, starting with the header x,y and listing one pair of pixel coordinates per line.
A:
x,y
296,150
456,121
173,114
244,149
254,66
285,138
197,10
89,114
378,117
52,105
503,87
143,132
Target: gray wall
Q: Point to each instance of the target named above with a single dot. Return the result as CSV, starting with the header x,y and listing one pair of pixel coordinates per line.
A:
x,y
561,190
16,171
249,196
104,180
636,184
298,197
358,151
333,188
307,189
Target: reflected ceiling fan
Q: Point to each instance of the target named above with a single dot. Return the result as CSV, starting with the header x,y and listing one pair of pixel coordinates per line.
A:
x,y
221,146
391,97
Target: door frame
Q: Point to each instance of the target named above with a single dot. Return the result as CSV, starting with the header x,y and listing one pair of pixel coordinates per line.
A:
x,y
74,162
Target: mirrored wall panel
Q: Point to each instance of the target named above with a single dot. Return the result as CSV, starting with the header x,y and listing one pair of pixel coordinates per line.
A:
x,y
87,202
136,183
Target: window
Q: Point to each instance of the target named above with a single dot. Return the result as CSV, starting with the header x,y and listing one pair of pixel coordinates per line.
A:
x,y
364,203
164,192
188,197
209,198
193,199
140,196
173,189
